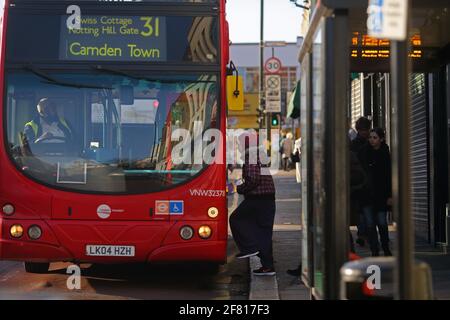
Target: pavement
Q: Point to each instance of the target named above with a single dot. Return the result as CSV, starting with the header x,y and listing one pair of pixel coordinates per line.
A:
x,y
437,259
439,262
287,249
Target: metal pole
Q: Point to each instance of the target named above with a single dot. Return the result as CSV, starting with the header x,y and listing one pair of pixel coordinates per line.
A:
x,y
448,137
267,114
261,64
337,71
401,168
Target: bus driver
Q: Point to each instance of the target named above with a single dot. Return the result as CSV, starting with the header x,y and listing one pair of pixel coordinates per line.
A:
x,y
47,127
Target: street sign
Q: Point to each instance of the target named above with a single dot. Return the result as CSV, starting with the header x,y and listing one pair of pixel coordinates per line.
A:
x,y
273,65
275,44
387,19
273,86
273,106
273,93
273,82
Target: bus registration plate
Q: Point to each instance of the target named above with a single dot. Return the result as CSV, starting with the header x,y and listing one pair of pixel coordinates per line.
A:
x,y
110,251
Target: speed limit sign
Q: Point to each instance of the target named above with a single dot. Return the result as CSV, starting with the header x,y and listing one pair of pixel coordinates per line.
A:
x,y
273,65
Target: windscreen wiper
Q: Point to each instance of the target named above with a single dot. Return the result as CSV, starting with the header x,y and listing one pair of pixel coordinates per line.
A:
x,y
104,69
101,68
51,80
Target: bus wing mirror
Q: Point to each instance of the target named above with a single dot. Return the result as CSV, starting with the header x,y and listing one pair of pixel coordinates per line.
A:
x,y
127,95
235,93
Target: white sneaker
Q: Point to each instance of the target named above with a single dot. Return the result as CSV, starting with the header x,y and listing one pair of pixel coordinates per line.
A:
x,y
246,255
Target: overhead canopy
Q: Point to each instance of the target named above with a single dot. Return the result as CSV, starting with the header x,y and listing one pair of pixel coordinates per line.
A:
x,y
429,39
293,109
429,36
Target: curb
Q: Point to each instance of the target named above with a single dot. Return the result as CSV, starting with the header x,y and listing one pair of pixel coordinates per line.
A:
x,y
262,287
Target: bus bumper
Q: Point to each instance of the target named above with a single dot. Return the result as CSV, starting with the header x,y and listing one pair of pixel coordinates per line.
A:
x,y
195,251
67,241
32,252
46,249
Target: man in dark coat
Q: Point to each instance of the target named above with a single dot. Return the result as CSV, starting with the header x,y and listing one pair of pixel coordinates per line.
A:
x,y
362,126
358,187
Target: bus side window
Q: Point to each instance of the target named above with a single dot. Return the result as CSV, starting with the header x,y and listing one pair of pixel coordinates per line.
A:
x,y
22,111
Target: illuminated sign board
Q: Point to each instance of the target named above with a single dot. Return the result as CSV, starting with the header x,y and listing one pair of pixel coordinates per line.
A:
x,y
365,47
115,38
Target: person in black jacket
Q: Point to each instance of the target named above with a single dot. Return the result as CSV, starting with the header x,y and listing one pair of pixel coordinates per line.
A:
x,y
358,187
362,126
376,160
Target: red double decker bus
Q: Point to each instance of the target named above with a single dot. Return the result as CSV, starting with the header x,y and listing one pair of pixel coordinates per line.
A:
x,y
92,95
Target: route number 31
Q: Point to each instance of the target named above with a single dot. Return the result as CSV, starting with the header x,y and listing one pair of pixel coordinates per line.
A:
x,y
151,26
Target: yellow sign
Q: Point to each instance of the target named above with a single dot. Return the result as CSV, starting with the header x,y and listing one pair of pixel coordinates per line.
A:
x,y
235,93
245,119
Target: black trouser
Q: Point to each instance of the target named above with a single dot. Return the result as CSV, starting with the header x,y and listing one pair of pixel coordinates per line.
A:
x,y
376,218
252,227
285,164
352,244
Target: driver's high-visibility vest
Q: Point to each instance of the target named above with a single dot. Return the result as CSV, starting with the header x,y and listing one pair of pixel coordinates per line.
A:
x,y
35,126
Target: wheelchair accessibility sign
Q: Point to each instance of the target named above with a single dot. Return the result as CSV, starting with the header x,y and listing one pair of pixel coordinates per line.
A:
x,y
176,207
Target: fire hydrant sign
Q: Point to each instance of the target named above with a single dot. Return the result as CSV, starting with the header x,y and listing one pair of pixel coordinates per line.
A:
x,y
387,19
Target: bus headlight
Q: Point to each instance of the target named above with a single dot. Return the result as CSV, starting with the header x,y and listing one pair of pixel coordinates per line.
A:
x,y
213,212
186,233
8,209
34,232
204,232
16,231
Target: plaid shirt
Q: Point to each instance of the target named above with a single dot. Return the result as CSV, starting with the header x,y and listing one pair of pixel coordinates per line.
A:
x,y
255,183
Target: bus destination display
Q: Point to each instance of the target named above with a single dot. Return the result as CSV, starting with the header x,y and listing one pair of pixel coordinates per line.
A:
x,y
115,38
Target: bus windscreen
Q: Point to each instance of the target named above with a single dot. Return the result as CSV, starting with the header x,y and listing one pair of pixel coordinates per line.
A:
x,y
113,134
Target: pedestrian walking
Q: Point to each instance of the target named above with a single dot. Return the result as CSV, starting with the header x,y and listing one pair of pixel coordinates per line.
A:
x,y
282,138
376,161
362,126
288,148
358,189
296,159
252,222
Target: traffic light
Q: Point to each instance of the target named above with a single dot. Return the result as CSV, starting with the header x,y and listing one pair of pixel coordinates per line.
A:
x,y
275,120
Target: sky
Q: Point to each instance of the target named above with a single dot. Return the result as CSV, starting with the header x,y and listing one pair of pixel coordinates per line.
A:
x,y
281,20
